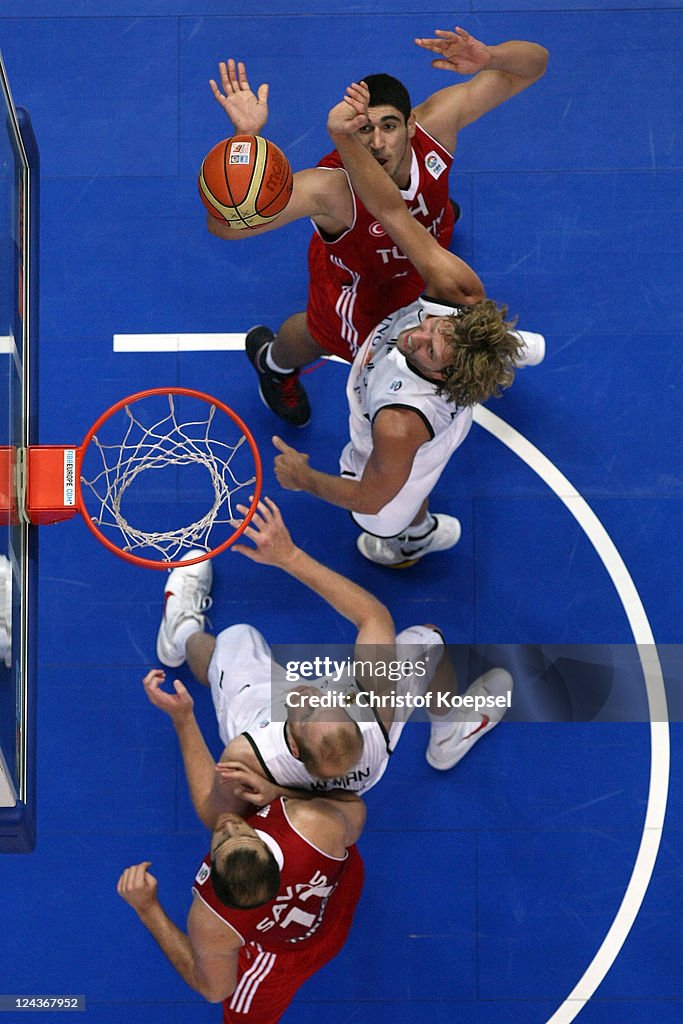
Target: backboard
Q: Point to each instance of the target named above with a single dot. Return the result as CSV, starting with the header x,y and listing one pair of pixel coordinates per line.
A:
x,y
18,428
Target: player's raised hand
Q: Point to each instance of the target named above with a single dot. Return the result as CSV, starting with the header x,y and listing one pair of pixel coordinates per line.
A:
x,y
291,467
138,887
273,543
352,113
247,111
174,704
457,51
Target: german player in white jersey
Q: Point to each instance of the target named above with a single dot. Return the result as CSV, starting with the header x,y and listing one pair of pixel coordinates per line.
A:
x,y
357,274
414,382
274,724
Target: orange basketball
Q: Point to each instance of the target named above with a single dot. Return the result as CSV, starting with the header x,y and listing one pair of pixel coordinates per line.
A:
x,y
245,180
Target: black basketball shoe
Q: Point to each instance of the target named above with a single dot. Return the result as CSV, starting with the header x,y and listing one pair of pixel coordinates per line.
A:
x,y
281,392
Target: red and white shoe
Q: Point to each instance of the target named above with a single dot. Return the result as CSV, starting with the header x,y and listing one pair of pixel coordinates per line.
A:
x,y
186,596
455,734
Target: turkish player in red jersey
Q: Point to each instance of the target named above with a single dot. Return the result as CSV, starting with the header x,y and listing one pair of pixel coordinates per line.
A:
x,y
356,272
359,277
274,900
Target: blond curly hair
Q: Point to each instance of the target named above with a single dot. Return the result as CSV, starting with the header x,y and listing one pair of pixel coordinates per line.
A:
x,y
484,348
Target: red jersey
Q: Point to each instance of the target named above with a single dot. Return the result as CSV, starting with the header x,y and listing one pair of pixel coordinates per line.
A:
x,y
361,277
312,887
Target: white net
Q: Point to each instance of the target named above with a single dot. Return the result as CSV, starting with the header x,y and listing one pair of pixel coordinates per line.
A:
x,y
170,484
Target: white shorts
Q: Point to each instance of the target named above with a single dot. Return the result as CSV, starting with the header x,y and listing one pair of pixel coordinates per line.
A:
x,y
400,512
241,675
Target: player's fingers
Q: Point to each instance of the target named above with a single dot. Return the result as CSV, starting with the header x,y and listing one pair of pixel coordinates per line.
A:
x,y
242,550
154,679
263,93
281,445
138,873
253,534
265,512
245,511
242,75
274,509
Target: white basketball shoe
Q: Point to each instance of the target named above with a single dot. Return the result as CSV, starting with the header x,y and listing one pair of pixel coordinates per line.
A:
x,y
454,735
5,611
186,597
438,534
533,352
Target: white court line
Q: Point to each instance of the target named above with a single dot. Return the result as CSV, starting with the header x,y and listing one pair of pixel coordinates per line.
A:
x,y
6,344
187,343
654,684
178,342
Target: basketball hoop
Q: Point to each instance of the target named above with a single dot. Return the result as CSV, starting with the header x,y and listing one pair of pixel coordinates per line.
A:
x,y
157,476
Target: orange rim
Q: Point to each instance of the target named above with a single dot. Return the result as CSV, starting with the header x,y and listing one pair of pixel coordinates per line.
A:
x,y
149,563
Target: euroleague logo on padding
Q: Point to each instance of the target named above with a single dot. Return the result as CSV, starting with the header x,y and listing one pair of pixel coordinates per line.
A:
x,y
376,229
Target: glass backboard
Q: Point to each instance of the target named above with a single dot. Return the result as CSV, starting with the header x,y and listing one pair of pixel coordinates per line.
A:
x,y
18,428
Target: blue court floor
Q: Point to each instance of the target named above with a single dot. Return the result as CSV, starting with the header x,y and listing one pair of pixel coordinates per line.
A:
x,y
540,881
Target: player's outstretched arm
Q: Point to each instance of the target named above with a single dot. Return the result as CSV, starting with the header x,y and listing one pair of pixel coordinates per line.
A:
x,y
384,477
199,764
206,959
500,72
250,785
274,546
446,276
318,194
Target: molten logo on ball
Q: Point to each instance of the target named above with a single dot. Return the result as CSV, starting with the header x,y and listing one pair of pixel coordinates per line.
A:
x,y
245,180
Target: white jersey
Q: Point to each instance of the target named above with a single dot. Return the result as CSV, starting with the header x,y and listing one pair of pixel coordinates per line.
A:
x,y
381,378
281,767
248,686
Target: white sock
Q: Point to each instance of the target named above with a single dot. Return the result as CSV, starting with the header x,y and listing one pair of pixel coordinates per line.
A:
x,y
272,365
417,533
184,630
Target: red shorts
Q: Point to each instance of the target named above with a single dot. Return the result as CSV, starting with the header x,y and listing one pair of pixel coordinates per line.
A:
x,y
268,981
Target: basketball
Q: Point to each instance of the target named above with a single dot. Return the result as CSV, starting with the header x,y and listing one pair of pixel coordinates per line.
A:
x,y
245,180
